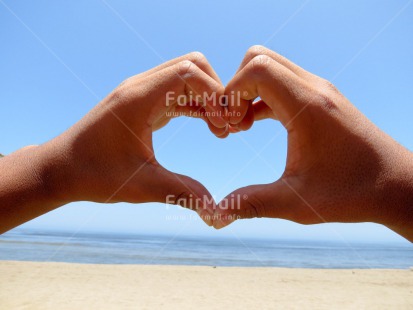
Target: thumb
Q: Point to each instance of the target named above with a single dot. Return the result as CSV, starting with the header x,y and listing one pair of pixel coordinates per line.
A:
x,y
265,200
173,188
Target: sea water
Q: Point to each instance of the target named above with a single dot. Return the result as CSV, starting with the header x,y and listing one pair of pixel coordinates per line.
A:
x,y
101,248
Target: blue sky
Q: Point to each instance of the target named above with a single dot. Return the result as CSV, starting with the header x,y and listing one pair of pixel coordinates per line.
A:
x,y
58,59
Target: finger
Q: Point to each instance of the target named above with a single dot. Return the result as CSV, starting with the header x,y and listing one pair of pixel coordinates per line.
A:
x,y
186,79
269,200
218,132
167,187
201,88
195,57
237,108
258,50
224,135
233,129
283,91
248,119
262,111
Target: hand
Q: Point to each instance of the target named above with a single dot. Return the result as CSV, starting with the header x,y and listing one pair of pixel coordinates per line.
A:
x,y
108,155
110,150
340,167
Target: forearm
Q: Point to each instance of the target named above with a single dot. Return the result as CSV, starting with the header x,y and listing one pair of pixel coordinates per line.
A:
x,y
26,186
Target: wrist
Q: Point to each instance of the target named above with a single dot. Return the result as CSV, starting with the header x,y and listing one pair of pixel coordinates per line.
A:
x,y
395,197
54,173
27,187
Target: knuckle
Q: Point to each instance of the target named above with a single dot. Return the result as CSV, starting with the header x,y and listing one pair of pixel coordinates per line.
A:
x,y
120,93
321,101
197,57
256,50
326,101
259,65
185,68
328,86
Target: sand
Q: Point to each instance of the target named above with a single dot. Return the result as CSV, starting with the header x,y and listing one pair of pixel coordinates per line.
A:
x,y
28,285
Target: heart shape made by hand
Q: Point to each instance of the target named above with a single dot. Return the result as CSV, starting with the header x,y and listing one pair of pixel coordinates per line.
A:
x,y
325,148
340,167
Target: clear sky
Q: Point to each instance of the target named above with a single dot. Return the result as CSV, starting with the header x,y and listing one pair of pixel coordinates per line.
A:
x,y
60,58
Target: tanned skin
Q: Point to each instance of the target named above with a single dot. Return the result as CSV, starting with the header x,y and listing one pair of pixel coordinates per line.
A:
x,y
340,166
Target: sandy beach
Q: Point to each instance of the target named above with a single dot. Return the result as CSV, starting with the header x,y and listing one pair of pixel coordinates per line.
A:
x,y
29,285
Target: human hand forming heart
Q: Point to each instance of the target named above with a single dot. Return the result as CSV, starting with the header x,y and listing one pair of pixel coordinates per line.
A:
x,y
340,167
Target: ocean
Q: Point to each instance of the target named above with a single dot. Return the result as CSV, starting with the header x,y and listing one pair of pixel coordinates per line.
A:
x,y
100,248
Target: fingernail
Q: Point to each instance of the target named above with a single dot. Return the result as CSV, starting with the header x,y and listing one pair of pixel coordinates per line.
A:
x,y
233,129
220,221
218,224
